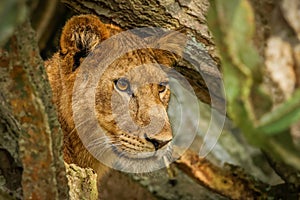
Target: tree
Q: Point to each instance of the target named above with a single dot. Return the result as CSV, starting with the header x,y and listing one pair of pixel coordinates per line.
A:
x,y
31,160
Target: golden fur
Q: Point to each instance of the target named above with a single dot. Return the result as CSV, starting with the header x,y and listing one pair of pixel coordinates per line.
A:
x,y
80,36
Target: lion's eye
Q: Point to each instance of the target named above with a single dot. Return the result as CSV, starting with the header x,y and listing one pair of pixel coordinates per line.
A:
x,y
122,84
162,86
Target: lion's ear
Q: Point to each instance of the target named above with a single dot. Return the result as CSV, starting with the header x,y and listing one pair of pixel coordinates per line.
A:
x,y
81,34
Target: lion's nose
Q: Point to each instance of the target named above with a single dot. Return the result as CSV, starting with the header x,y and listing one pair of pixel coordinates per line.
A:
x,y
157,143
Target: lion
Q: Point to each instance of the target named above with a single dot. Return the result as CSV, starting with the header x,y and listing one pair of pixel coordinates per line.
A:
x,y
130,98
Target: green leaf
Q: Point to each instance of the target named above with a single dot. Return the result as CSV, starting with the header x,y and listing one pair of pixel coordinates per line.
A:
x,y
282,117
232,23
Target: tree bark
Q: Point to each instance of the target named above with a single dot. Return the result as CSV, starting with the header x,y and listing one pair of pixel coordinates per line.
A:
x,y
189,15
31,162
33,134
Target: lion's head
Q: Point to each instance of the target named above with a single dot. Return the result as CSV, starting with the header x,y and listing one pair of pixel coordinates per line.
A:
x,y
127,93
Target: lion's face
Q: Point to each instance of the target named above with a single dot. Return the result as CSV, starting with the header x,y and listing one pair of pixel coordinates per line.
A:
x,y
129,101
131,105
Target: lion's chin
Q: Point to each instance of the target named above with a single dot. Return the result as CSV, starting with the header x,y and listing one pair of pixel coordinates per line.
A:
x,y
141,162
135,155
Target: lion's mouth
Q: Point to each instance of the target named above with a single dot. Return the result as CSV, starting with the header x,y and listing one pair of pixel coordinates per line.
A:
x,y
141,155
134,155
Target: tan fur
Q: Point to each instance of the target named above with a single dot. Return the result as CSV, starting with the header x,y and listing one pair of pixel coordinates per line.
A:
x,y
81,35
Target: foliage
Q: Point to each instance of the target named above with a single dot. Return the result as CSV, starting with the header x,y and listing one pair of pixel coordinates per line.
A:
x,y
233,25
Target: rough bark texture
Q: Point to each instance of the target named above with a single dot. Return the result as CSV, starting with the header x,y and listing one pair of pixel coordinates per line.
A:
x,y
167,14
32,132
229,181
82,183
31,163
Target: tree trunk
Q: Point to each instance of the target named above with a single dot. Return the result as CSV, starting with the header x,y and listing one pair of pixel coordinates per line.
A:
x,y
31,128
31,162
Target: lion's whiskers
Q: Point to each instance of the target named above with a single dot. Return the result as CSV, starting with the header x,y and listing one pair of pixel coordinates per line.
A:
x,y
75,128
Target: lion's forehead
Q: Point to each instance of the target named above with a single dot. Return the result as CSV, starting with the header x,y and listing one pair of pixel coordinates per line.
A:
x,y
137,73
136,62
144,74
